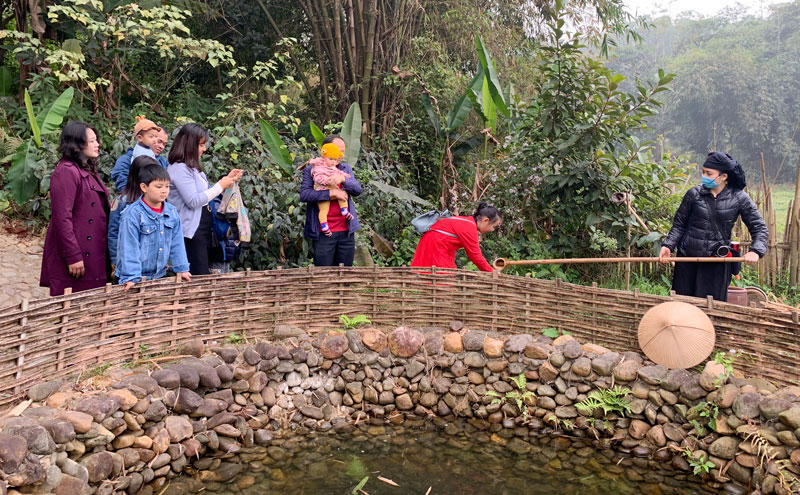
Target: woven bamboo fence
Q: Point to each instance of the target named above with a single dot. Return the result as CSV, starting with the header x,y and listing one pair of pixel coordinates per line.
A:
x,y
69,335
782,261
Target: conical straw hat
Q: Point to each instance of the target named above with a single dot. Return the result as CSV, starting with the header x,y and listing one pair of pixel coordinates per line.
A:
x,y
676,335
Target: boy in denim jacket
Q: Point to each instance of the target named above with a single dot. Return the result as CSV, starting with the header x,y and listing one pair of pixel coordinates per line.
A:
x,y
150,235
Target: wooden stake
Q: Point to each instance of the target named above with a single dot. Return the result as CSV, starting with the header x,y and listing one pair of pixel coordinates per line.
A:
x,y
794,252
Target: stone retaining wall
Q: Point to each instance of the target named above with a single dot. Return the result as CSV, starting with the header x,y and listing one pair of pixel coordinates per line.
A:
x,y
210,415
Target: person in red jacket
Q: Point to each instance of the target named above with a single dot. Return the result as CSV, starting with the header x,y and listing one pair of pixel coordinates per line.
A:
x,y
438,246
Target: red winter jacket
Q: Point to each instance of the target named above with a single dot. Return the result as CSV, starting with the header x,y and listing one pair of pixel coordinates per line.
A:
x,y
439,249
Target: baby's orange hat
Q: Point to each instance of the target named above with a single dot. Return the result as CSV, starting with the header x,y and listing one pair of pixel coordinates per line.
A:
x,y
330,150
143,125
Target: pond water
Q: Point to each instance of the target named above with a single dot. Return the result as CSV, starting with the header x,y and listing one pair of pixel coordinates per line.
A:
x,y
435,462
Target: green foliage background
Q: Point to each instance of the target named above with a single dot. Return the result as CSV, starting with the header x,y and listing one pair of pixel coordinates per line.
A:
x,y
492,100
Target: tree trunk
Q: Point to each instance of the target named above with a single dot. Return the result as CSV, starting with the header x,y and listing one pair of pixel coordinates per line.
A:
x,y
366,80
356,43
21,17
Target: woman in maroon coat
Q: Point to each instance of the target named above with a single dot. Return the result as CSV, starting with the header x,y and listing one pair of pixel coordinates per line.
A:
x,y
75,249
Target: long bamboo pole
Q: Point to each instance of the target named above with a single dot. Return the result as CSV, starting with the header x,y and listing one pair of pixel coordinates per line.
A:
x,y
501,263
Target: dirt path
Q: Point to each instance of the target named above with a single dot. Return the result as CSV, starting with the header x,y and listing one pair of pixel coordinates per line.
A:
x,y
21,261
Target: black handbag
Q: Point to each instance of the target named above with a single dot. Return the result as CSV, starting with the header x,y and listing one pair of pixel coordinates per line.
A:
x,y
724,248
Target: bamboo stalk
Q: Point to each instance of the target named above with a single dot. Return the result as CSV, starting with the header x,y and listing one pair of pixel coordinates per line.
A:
x,y
501,263
367,74
767,264
794,253
773,242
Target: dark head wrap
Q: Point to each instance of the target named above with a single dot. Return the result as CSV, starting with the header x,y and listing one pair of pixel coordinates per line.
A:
x,y
727,165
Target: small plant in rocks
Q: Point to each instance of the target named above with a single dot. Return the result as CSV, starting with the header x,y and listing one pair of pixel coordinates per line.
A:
x,y
354,322
609,400
560,424
351,323
726,359
705,415
236,338
554,333
700,463
521,397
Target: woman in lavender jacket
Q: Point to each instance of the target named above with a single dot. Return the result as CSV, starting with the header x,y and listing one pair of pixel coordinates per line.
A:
x,y
190,193
76,249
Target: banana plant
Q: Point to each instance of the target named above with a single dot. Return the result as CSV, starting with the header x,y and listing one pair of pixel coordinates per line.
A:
x,y
483,94
276,147
319,136
351,134
24,174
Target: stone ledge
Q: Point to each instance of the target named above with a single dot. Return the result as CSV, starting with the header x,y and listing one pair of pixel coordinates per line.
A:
x,y
205,415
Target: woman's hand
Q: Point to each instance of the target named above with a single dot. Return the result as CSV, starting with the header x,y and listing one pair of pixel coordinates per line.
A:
x,y
184,276
664,254
338,194
77,269
128,286
751,258
338,179
231,178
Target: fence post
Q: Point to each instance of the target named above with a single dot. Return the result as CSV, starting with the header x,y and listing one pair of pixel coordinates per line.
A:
x,y
211,306
434,293
62,332
559,325
374,314
175,298
247,278
340,285
594,311
104,325
23,336
528,309
495,276
137,332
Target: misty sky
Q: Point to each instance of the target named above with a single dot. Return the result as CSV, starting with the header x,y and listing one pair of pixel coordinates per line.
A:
x,y
703,7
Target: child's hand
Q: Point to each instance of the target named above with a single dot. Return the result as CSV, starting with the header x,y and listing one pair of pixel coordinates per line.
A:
x,y
338,179
128,286
184,276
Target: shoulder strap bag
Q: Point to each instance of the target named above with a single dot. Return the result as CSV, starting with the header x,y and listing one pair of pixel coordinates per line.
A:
x,y
712,213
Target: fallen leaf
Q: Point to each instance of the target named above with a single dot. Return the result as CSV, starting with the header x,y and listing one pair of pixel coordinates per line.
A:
x,y
387,481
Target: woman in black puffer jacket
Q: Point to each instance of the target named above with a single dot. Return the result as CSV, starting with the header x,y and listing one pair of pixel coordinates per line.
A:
x,y
693,232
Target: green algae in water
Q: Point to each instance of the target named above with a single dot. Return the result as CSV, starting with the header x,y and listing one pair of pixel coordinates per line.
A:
x,y
453,465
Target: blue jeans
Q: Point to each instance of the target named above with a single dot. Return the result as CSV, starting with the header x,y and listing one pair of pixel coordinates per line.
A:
x,y
340,247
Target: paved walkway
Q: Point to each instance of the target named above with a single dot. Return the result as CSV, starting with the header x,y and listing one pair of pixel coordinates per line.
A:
x,y
21,262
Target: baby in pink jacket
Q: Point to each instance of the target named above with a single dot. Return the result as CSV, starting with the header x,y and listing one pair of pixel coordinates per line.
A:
x,y
327,176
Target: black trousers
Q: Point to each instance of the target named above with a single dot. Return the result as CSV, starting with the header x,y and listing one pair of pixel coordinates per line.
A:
x,y
340,247
702,280
197,246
